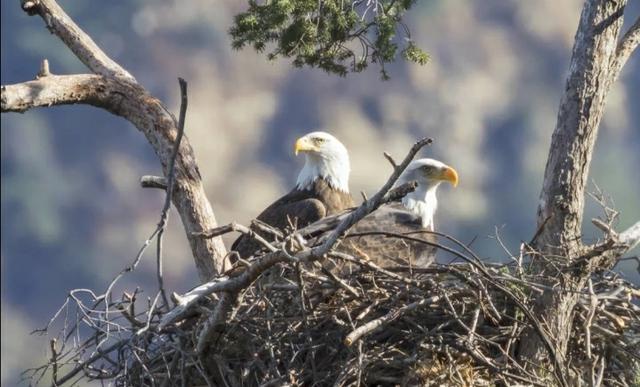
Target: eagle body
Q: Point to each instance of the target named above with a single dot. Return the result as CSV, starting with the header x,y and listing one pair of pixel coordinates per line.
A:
x,y
301,207
322,189
394,234
379,238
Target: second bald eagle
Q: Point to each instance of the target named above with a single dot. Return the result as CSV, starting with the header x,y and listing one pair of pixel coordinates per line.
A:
x,y
384,236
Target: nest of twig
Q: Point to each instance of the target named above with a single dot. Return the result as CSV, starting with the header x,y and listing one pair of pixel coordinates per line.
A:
x,y
305,312
298,324
443,325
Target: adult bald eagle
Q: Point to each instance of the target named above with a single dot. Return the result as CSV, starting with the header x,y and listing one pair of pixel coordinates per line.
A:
x,y
322,189
414,214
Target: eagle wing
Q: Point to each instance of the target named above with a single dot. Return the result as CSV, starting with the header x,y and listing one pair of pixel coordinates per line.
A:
x,y
390,249
301,208
297,206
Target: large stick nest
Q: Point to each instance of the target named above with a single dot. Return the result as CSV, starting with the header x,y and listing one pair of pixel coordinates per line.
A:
x,y
306,313
298,324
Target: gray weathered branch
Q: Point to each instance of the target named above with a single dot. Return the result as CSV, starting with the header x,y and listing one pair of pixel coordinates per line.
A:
x,y
378,323
581,109
125,98
60,24
626,47
630,237
596,62
115,90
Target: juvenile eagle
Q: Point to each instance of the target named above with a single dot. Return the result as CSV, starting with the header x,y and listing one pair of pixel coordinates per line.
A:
x,y
413,215
322,189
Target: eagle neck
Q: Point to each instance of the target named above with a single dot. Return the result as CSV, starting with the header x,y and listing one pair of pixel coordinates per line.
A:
x,y
334,169
423,203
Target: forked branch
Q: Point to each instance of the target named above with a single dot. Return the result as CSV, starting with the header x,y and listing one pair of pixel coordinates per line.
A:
x,y
81,44
112,88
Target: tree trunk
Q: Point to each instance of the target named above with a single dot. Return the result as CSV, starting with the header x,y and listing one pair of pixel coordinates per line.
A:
x,y
593,68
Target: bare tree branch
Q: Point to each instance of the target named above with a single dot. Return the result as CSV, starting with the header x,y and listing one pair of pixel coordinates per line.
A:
x,y
115,90
60,24
171,180
373,325
149,181
626,47
630,237
131,101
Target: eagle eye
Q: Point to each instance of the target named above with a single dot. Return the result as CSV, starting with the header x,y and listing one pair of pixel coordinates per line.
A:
x,y
318,140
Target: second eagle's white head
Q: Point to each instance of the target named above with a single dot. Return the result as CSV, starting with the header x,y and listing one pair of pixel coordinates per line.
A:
x,y
429,173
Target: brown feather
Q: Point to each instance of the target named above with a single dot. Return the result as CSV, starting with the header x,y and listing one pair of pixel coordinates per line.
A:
x,y
383,250
387,250
301,207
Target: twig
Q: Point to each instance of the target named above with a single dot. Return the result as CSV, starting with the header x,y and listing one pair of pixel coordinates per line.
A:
x,y
54,362
164,216
391,160
60,24
589,320
339,281
387,318
149,181
99,353
44,69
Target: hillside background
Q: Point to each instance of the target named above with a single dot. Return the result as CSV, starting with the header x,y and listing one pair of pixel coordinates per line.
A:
x,y
73,213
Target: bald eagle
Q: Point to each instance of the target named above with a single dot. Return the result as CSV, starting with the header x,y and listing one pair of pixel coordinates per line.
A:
x,y
366,239
322,189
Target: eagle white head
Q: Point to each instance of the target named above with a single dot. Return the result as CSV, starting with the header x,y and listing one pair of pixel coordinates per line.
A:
x,y
429,173
326,157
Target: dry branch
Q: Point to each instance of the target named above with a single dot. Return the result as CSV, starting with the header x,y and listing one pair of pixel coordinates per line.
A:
x,y
122,96
625,48
81,44
373,325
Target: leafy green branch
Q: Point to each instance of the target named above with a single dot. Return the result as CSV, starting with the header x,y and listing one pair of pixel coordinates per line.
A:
x,y
335,35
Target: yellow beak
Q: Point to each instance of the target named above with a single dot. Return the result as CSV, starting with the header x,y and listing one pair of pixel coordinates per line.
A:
x,y
302,145
449,174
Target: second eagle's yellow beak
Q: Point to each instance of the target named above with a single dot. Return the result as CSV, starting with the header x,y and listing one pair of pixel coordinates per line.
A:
x,y
449,174
303,145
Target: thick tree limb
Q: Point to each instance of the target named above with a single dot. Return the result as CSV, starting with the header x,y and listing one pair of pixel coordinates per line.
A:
x,y
115,90
626,46
131,101
60,24
580,112
596,61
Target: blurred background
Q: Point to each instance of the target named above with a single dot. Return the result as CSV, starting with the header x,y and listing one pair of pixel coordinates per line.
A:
x,y
73,212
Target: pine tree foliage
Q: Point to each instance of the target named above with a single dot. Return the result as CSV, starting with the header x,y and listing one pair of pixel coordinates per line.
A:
x,y
337,36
